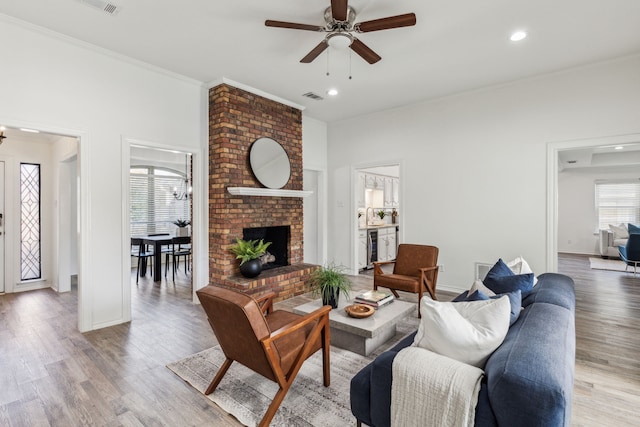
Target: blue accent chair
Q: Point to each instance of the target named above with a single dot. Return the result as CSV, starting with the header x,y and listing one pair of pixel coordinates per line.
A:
x,y
630,253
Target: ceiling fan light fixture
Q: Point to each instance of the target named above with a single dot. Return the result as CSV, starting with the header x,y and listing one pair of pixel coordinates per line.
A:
x,y
339,40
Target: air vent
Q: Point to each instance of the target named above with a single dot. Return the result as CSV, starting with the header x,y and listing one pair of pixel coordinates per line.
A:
x,y
104,6
313,96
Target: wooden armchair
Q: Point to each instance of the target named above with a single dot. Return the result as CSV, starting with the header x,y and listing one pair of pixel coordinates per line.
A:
x,y
415,269
272,343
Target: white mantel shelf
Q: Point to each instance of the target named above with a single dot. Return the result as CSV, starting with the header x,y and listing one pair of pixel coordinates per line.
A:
x,y
267,192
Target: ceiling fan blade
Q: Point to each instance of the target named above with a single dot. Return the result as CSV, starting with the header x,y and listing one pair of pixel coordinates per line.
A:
x,y
315,52
292,25
339,10
363,50
405,20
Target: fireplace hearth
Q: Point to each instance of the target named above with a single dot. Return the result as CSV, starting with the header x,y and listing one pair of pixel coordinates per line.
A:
x,y
279,237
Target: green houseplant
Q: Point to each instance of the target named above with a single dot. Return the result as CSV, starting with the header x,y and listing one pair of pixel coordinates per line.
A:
x,y
182,225
248,252
329,282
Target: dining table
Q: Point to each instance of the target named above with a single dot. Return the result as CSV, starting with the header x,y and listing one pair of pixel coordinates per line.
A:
x,y
157,242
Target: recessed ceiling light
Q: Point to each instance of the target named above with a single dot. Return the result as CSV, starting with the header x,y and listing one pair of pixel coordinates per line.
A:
x,y
29,130
619,147
332,92
517,36
3,128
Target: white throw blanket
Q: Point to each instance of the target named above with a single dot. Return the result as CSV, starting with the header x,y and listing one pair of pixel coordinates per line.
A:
x,y
433,390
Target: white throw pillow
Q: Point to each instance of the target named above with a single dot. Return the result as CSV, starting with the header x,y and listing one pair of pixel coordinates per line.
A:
x,y
520,266
479,286
467,331
619,231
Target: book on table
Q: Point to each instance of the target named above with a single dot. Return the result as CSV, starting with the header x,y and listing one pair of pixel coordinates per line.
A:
x,y
374,298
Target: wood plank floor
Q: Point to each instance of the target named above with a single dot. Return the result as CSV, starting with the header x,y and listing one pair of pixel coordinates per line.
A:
x,y
51,375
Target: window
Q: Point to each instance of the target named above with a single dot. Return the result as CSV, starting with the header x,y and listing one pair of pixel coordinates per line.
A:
x,y
153,205
30,232
617,202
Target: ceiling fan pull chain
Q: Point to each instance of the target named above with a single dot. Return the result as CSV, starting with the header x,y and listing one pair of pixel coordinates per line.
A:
x,y
328,50
349,64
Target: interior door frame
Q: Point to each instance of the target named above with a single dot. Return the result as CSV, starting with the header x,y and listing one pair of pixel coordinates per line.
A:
x,y
200,271
3,252
553,163
354,204
84,204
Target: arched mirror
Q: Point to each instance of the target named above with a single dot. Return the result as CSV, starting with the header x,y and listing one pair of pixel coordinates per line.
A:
x,y
269,163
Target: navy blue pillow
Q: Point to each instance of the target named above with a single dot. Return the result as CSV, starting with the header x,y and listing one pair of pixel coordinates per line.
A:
x,y
515,298
504,284
499,269
633,229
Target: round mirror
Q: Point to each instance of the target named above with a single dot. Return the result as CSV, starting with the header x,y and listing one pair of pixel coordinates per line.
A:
x,y
269,163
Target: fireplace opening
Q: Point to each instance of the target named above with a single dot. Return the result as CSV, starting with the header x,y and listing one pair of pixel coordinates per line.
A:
x,y
279,238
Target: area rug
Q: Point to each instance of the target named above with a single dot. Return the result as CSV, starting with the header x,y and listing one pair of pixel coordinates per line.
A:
x,y
247,395
607,264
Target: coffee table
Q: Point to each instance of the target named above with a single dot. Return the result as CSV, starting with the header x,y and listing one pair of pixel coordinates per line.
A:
x,y
361,336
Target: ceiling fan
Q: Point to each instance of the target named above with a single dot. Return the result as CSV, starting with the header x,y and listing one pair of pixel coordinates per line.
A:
x,y
339,18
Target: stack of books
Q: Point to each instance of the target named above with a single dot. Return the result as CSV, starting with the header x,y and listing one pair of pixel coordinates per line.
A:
x,y
376,299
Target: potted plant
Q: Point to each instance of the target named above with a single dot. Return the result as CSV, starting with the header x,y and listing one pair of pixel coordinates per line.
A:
x,y
249,251
329,282
381,214
182,226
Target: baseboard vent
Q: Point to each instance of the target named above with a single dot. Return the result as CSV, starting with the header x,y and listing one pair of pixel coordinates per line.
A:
x,y
482,268
104,6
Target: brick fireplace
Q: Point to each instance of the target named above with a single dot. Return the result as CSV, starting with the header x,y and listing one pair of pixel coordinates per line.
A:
x,y
236,119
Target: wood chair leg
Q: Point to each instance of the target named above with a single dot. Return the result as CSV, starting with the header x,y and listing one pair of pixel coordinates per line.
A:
x,y
275,404
216,380
326,365
419,299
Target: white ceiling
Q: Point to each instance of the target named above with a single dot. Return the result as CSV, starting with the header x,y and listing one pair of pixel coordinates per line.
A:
x,y
456,45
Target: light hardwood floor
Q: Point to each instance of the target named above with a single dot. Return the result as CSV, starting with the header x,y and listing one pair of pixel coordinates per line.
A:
x,y
51,375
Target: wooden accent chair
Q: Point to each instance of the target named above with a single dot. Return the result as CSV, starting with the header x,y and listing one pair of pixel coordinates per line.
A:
x,y
415,269
272,343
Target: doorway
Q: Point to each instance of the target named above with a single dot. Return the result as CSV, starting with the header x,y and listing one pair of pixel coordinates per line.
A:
x,y
160,209
377,214
2,250
556,155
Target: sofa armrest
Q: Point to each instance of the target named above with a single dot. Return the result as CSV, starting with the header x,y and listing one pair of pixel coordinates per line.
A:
x,y
606,241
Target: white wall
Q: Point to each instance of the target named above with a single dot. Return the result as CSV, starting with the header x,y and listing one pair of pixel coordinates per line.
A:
x,y
474,165
577,216
54,84
314,158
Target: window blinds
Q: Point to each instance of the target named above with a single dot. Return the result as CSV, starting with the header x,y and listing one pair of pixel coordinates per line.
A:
x,y
617,202
153,206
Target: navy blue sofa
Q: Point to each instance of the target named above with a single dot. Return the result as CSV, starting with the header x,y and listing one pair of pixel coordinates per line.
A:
x,y
528,380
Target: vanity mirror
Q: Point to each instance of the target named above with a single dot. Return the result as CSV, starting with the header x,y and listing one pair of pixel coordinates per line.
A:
x,y
269,163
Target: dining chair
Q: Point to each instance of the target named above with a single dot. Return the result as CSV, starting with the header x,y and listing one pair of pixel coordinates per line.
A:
x,y
181,247
140,251
272,343
415,270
